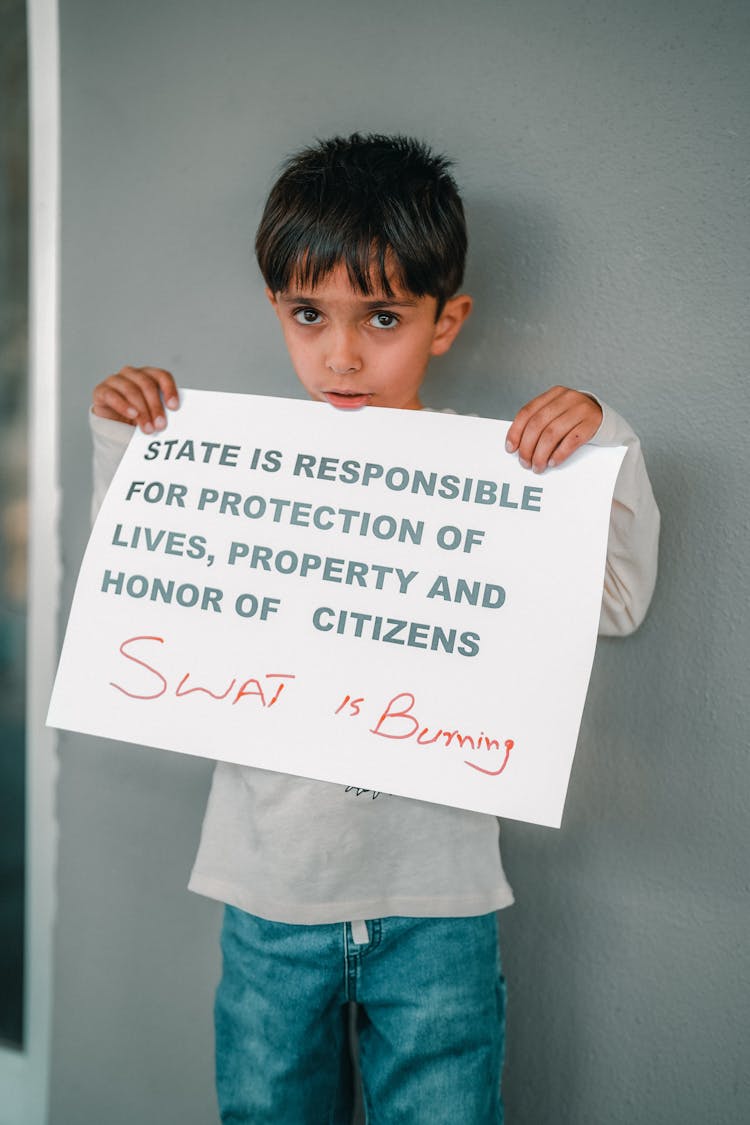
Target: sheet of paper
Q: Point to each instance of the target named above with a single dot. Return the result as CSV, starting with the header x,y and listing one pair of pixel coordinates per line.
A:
x,y
377,598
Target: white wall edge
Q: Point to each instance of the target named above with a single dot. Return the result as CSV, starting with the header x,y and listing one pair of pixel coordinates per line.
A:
x,y
24,1075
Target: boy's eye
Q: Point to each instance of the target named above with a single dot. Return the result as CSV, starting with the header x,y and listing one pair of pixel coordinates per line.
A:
x,y
384,320
306,316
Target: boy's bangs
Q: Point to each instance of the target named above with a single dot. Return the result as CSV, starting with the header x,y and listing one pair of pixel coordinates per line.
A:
x,y
385,208
372,267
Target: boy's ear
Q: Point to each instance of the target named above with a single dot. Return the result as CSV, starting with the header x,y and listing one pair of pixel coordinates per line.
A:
x,y
449,323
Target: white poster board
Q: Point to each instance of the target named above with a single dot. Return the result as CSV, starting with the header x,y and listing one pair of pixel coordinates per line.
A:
x,y
377,598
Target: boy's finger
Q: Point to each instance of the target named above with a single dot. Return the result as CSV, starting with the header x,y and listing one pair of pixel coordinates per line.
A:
x,y
167,385
103,411
579,435
119,398
524,415
152,417
551,438
546,422
555,435
567,432
549,415
124,388
572,441
135,395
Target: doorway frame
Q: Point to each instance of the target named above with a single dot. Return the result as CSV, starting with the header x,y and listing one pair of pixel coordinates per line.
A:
x,y
24,1073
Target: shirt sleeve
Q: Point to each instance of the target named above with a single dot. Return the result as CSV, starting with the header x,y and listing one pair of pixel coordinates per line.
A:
x,y
632,546
110,440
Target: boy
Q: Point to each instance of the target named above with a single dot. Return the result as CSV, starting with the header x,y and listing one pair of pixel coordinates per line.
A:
x,y
333,895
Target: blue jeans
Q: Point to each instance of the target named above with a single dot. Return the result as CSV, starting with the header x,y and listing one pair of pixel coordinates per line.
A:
x,y
431,1018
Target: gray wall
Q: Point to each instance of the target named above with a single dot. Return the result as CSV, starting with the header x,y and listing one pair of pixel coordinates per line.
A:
x,y
602,149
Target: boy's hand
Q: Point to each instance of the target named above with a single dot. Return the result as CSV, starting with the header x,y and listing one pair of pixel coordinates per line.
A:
x,y
137,395
552,426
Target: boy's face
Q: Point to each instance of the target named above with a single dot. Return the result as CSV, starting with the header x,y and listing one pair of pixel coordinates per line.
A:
x,y
353,350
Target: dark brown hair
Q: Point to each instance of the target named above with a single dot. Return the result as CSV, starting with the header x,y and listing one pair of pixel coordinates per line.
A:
x,y
384,206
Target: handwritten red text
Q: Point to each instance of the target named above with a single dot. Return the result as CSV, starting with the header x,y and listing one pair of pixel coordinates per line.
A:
x,y
267,692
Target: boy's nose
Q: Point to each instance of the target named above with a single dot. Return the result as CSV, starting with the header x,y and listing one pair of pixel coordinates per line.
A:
x,y
339,370
343,356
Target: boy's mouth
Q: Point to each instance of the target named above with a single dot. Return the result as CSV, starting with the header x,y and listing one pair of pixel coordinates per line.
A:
x,y
346,400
